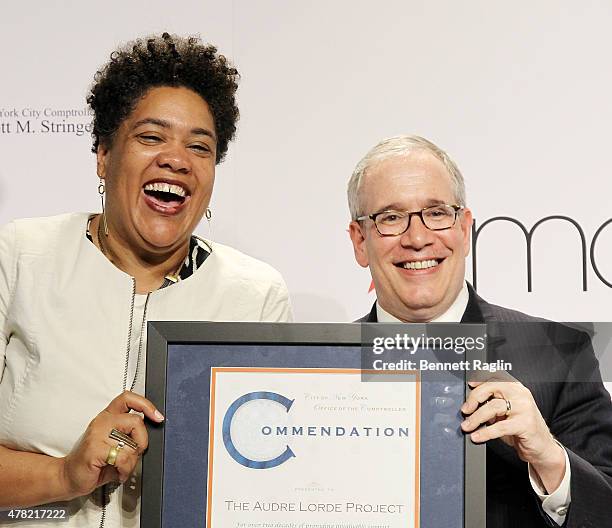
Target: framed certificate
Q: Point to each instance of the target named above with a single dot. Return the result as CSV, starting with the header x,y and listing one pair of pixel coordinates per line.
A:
x,y
310,425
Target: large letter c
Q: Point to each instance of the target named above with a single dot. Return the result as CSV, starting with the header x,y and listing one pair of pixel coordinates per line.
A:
x,y
227,435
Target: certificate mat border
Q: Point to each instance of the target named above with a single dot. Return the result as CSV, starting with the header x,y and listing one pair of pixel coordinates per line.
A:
x,y
164,333
318,371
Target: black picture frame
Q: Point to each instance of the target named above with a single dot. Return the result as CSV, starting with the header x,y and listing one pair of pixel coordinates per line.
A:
x,y
161,337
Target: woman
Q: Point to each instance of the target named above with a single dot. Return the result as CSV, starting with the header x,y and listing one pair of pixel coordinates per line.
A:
x,y
76,290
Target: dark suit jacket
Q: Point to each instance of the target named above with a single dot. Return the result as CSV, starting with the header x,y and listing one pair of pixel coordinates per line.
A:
x,y
545,355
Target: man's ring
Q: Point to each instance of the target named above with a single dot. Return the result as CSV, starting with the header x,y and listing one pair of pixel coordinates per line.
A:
x,y
122,437
508,407
111,459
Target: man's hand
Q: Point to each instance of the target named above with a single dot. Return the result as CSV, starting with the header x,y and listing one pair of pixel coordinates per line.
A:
x,y
521,427
85,468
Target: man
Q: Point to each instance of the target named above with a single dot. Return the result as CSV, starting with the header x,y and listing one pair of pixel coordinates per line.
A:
x,y
549,445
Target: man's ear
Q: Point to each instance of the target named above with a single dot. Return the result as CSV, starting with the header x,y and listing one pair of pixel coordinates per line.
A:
x,y
102,155
359,247
466,222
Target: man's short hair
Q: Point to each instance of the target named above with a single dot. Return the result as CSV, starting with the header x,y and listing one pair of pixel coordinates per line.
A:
x,y
400,146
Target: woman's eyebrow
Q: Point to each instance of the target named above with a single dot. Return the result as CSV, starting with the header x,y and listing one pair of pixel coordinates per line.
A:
x,y
165,124
152,121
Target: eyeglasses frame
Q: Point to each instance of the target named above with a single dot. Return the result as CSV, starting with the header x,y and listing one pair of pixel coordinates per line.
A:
x,y
410,214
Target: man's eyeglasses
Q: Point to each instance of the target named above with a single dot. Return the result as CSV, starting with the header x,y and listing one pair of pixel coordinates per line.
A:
x,y
394,223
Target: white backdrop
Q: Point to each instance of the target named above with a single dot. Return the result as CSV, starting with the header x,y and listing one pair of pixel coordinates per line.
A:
x,y
518,93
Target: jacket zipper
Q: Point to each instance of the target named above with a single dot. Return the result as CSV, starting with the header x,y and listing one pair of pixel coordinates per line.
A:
x,y
105,488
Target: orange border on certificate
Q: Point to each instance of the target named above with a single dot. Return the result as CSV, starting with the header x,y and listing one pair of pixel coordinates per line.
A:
x,y
211,428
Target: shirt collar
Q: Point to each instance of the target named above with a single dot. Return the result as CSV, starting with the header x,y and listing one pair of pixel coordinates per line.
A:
x,y
452,315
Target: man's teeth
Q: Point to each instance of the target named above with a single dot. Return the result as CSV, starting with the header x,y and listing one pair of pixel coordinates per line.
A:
x,y
420,264
166,187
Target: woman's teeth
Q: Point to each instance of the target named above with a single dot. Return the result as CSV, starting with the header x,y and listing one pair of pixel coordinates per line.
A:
x,y
166,188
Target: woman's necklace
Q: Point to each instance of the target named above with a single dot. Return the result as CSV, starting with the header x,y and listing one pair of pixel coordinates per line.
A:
x,y
100,243
171,277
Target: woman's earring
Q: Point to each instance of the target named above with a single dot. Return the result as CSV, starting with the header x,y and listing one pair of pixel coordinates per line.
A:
x,y
101,191
208,215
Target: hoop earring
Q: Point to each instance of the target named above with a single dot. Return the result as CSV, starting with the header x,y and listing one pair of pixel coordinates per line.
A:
x,y
208,216
101,191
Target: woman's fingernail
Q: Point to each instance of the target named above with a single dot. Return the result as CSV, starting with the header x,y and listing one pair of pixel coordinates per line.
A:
x,y
159,415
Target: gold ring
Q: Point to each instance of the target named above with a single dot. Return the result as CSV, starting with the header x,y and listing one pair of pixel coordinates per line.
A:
x,y
508,407
111,458
122,437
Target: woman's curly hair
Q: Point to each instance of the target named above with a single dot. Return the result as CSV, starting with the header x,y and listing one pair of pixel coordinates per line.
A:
x,y
164,61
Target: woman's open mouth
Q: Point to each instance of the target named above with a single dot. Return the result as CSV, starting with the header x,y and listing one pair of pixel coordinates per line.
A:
x,y
165,197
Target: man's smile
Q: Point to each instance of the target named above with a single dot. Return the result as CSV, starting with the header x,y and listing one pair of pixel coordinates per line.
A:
x,y
418,264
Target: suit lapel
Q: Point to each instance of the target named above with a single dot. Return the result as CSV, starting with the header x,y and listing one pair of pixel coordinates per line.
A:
x,y
474,310
372,317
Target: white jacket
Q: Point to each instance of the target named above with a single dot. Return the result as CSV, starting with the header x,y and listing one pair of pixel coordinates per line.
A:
x,y
64,322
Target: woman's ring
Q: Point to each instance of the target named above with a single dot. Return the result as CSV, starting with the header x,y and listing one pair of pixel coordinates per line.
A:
x,y
111,459
508,407
122,437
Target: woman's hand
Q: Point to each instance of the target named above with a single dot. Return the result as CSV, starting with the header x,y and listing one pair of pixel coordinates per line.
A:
x,y
85,468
